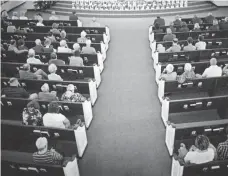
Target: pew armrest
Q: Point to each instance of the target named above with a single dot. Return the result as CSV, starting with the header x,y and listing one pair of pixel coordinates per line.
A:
x,y
68,159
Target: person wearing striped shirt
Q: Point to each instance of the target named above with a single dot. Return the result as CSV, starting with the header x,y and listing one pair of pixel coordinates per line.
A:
x,y
222,149
45,156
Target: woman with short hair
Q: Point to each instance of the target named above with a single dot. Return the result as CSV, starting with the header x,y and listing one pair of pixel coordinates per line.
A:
x,y
168,74
188,74
52,68
71,95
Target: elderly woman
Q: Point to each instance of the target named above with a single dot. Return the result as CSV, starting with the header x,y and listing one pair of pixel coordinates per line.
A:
x,y
45,95
63,36
71,95
188,74
31,114
83,38
54,29
52,68
40,21
48,48
15,16
160,48
63,48
196,27
168,74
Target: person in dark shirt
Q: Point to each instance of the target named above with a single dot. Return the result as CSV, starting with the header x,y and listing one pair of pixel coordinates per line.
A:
x,y
45,156
73,17
48,48
209,18
177,21
160,21
224,24
196,19
38,48
21,45
14,90
169,36
46,95
157,29
13,47
54,60
215,26
196,27
184,28
222,149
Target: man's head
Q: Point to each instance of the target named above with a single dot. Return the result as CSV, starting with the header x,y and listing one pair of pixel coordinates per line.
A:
x,y
200,38
168,31
52,68
41,143
169,68
55,26
76,47
63,34
63,43
187,67
88,42
26,67
31,53
83,34
202,142
175,41
190,40
213,61
53,107
38,42
53,55
45,87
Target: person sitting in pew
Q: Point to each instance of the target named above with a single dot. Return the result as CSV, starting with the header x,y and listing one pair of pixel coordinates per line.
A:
x,y
54,29
39,47
94,23
32,115
224,25
51,37
63,36
40,22
54,60
76,47
14,90
196,19
48,48
177,21
88,49
196,27
83,38
63,48
55,119
189,47
209,18
188,74
169,36
31,58
175,47
71,95
27,74
45,156
213,71
53,16
22,16
10,27
75,59
225,70
21,45
159,21
173,29
15,16
157,29
168,74
184,27
13,47
73,17
222,149
215,26
200,45
46,95
160,48
52,68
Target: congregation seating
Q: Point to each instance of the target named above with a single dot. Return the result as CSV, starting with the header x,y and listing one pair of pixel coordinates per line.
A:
x,y
189,20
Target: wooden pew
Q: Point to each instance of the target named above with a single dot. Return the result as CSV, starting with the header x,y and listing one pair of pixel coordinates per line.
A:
x,y
189,105
22,138
199,87
12,109
86,88
13,165
89,59
189,20
175,133
68,73
198,67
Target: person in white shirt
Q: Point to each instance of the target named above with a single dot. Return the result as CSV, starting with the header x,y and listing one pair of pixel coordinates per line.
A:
x,y
40,21
213,71
55,119
23,17
53,17
63,48
31,58
76,47
88,49
15,16
200,45
52,68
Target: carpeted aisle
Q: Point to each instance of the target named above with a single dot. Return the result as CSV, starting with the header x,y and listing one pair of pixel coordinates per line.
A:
x,y
126,137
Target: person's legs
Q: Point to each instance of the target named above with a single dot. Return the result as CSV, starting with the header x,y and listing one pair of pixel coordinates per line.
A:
x,y
40,72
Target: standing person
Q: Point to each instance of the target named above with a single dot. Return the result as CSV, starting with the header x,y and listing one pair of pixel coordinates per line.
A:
x,y
73,17
160,21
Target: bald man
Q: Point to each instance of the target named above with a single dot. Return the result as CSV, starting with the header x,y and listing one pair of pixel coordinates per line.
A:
x,y
213,71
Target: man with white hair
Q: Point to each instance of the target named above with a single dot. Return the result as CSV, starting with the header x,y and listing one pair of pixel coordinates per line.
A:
x,y
31,58
83,38
169,36
39,47
53,16
168,74
52,68
45,156
88,49
76,47
213,71
63,48
209,18
94,23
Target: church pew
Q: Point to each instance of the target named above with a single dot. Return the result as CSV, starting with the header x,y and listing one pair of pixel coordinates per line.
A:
x,y
175,107
189,20
86,88
12,109
22,138
68,73
200,86
188,131
198,67
89,59
13,165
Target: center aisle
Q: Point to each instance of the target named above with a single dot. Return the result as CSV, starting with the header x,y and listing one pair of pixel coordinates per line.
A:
x,y
126,137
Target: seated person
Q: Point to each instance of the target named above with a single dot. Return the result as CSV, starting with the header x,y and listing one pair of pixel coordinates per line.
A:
x,y
63,36
63,48
48,48
71,95
157,29
196,27
54,60
177,21
94,23
31,58
188,74
53,76
27,74
21,45
83,38
22,16
76,47
169,36
175,47
39,47
54,29
225,70
168,74
88,49
200,45
15,16
224,25
76,60
213,71
55,119
13,47
189,47
74,16
45,95
173,29
53,16
10,27
32,115
160,48
209,18
184,27
51,37
40,22
45,156
159,21
222,149
215,26
196,19
14,90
